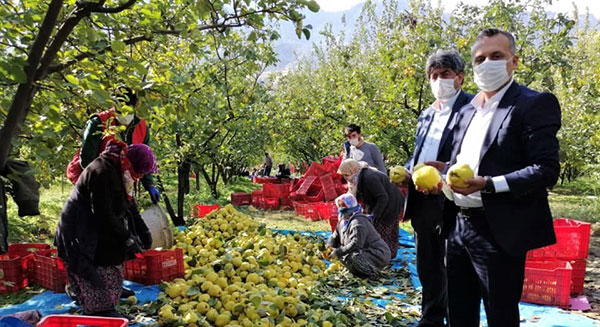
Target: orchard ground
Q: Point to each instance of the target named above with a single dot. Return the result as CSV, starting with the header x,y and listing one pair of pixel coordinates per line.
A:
x,y
577,200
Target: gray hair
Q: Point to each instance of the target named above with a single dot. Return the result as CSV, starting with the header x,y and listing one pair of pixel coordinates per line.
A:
x,y
450,59
489,32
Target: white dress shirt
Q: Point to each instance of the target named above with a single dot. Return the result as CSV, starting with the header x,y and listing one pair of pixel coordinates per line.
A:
x,y
470,149
442,111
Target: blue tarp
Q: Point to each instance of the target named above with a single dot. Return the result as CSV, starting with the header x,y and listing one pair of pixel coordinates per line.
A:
x,y
531,314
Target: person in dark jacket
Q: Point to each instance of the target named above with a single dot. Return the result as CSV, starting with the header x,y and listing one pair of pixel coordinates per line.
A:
x,y
355,241
283,171
100,226
382,199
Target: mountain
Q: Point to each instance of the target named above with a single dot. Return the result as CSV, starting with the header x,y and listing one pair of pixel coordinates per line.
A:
x,y
289,48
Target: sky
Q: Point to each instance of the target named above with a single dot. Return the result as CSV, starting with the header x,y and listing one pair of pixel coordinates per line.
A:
x,y
564,6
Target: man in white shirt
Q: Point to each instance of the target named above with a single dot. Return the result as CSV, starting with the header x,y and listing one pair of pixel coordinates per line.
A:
x,y
433,142
508,137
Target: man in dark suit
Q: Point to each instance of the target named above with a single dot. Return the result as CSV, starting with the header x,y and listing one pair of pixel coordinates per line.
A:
x,y
445,71
507,135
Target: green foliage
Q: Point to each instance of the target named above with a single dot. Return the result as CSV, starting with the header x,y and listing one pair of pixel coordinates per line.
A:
x,y
377,78
194,64
39,228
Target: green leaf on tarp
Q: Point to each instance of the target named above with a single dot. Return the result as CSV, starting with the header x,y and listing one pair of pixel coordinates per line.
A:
x,y
193,291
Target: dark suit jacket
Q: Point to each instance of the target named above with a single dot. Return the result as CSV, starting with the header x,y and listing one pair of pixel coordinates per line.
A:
x,y
425,211
520,145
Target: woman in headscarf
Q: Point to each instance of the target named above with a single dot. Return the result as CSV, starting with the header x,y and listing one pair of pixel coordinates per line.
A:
x,y
100,226
355,241
382,199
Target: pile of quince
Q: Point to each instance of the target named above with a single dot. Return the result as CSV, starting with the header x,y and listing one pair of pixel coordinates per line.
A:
x,y
240,274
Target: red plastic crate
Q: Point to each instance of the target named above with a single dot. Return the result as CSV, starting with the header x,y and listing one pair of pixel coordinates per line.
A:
x,y
333,221
241,199
296,183
578,276
286,203
257,199
335,161
13,272
547,282
329,192
307,210
306,185
201,210
341,189
24,249
315,196
276,190
49,271
270,203
79,321
264,180
315,169
572,242
155,266
327,210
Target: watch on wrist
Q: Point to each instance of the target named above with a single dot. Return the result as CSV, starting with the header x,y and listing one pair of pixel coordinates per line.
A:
x,y
489,186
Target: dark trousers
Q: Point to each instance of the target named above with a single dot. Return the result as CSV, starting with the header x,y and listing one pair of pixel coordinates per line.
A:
x,y
477,268
432,273
268,170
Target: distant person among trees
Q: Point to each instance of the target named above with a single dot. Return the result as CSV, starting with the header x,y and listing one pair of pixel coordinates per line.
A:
x,y
100,226
358,149
283,171
355,241
254,173
268,165
95,140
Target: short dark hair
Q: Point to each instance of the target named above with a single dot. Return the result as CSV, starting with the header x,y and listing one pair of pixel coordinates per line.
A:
x,y
450,59
266,153
127,96
489,32
351,128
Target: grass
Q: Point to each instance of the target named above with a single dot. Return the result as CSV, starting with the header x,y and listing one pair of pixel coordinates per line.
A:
x,y
579,199
575,207
38,228
574,200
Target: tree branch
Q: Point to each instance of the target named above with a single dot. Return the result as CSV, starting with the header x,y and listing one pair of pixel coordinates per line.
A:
x,y
115,9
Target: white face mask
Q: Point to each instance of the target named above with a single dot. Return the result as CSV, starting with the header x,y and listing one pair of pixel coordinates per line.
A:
x,y
124,120
354,141
443,88
490,75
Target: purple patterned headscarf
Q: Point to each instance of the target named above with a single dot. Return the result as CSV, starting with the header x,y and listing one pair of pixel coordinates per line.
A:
x,y
142,159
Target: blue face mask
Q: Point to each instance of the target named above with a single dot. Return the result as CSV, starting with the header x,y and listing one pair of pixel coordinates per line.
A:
x,y
347,212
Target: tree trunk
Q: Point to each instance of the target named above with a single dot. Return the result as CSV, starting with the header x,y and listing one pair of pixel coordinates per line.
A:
x,y
211,181
181,178
197,172
26,91
176,220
